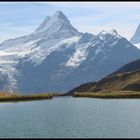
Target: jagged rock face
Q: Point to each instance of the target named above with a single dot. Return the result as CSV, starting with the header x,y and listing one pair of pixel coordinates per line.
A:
x,y
56,57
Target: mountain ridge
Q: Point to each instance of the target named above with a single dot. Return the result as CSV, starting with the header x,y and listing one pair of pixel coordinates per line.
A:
x,y
57,57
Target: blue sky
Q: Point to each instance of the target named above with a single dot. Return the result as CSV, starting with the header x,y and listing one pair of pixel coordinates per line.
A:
x,y
21,18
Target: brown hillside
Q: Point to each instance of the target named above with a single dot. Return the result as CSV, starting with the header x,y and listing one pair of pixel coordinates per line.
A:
x,y
117,82
82,88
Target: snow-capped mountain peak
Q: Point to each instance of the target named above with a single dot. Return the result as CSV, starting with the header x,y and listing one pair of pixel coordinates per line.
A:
x,y
104,35
113,32
136,37
50,21
57,25
60,15
103,32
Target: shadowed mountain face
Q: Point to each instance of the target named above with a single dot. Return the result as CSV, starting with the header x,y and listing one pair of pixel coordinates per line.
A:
x,y
56,57
126,78
132,66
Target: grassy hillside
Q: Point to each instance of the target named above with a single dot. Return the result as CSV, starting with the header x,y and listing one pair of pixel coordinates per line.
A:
x,y
84,87
126,78
117,82
129,81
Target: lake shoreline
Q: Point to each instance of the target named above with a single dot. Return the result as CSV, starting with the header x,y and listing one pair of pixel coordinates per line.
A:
x,y
19,98
36,97
109,95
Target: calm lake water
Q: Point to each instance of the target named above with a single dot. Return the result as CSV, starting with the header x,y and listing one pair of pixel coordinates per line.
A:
x,y
71,117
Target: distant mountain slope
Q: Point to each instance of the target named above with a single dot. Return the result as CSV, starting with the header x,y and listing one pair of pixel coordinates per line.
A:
x,y
132,66
136,37
126,78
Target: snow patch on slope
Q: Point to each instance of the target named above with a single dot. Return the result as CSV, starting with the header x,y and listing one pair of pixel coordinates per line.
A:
x,y
9,58
8,74
78,57
137,45
38,54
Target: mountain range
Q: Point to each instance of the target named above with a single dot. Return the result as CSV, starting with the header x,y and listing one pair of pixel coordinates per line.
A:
x,y
56,57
